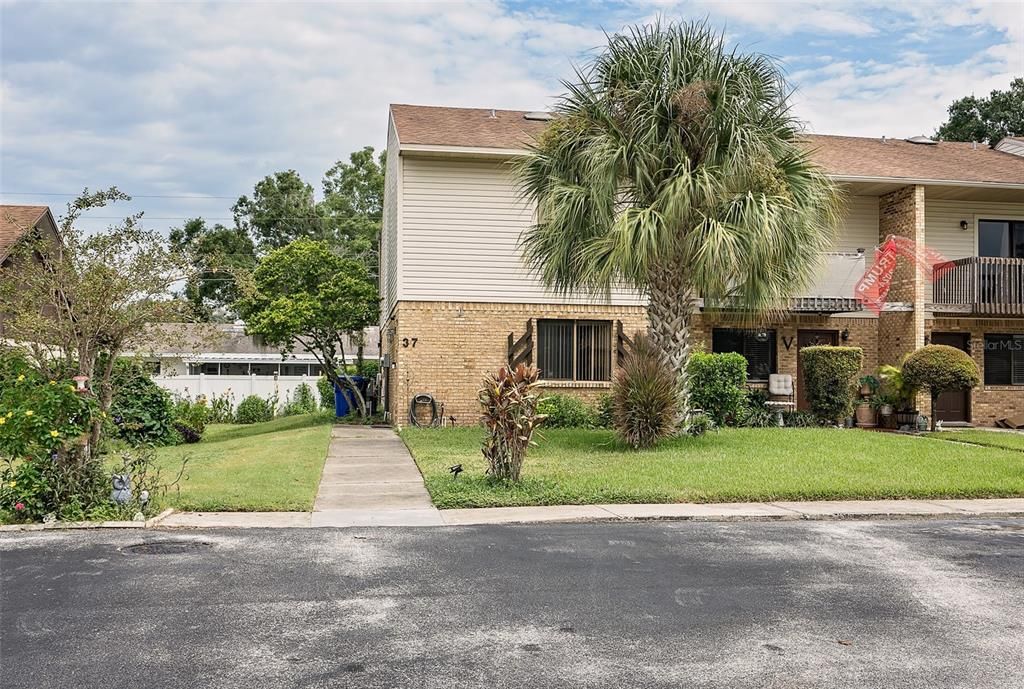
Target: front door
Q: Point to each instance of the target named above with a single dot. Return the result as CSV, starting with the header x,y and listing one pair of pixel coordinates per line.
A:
x,y
810,338
953,406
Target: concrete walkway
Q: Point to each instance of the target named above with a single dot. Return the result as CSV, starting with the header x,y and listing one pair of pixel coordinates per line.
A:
x,y
370,479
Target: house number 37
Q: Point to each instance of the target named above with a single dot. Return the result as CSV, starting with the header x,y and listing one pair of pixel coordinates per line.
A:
x,y
409,341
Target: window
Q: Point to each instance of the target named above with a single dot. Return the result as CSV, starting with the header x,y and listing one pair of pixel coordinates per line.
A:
x,y
1001,238
234,369
294,369
574,350
194,369
1004,359
757,346
263,369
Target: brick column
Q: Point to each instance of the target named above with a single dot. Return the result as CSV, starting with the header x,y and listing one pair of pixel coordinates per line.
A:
x,y
901,213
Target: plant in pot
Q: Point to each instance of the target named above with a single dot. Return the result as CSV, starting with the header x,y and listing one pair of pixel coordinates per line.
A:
x,y
901,396
865,412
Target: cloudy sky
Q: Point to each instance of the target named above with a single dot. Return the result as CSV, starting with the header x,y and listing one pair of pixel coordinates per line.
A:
x,y
176,100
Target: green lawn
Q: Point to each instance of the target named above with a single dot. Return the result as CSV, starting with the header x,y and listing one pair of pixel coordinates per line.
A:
x,y
586,467
1012,441
272,466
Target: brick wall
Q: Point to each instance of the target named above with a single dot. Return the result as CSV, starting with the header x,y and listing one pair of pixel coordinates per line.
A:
x,y
901,213
988,402
446,349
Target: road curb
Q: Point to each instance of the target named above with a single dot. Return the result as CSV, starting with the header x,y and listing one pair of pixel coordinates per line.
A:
x,y
76,526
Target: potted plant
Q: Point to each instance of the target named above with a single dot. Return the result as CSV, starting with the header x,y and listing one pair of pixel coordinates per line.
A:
x,y
901,396
865,412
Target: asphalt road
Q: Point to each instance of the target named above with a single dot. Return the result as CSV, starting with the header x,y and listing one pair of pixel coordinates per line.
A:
x,y
912,604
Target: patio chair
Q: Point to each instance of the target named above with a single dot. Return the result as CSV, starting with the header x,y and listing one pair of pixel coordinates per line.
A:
x,y
780,394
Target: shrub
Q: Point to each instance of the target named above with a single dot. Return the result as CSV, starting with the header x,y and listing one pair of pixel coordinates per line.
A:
x,y
220,408
938,369
142,411
509,399
369,368
326,391
699,424
828,374
254,409
800,419
645,402
717,385
301,402
190,419
563,411
755,412
604,411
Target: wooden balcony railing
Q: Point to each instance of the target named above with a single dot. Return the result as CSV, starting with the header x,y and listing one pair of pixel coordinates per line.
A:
x,y
980,284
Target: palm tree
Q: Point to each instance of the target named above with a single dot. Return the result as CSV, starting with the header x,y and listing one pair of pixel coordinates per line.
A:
x,y
675,166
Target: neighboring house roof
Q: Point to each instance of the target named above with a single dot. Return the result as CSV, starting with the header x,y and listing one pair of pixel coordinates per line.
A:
x,y
840,156
15,221
227,341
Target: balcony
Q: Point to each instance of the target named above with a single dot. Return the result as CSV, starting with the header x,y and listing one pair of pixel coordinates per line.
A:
x,y
831,290
981,285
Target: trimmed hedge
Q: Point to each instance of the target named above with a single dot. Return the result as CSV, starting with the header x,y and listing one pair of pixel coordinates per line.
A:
x,y
938,369
717,385
829,374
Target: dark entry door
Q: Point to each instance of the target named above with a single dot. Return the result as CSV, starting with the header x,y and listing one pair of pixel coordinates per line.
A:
x,y
953,406
810,338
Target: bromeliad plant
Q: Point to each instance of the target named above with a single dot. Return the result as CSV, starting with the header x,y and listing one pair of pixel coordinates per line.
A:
x,y
509,399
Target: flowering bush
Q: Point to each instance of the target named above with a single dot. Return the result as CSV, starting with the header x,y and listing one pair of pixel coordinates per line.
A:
x,y
142,411
44,435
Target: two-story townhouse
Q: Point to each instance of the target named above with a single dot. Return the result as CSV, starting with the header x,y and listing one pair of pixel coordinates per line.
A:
x,y
458,301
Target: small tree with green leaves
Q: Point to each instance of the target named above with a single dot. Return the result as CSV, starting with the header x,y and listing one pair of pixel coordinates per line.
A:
x,y
939,369
304,294
81,299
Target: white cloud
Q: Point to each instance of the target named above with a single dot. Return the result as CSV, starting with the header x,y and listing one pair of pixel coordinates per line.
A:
x,y
184,98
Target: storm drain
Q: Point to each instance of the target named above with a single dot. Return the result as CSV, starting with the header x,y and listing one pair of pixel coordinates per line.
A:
x,y
167,547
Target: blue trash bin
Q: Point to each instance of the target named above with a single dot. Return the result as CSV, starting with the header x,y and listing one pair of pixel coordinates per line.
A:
x,y
344,401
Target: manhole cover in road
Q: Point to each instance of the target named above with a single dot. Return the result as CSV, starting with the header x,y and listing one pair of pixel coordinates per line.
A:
x,y
167,547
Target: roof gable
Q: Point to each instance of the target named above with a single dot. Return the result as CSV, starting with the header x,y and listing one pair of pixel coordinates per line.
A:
x,y
15,222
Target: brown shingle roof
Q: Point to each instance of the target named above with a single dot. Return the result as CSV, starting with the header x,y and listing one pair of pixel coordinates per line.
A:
x,y
469,127
852,156
15,221
845,156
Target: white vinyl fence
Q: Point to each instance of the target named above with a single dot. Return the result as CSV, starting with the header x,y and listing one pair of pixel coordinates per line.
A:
x,y
239,387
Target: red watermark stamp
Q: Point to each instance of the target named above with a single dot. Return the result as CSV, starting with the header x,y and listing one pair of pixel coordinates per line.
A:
x,y
873,287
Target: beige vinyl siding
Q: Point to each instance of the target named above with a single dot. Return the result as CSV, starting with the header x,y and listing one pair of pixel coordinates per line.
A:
x,y
942,225
859,229
461,221
389,228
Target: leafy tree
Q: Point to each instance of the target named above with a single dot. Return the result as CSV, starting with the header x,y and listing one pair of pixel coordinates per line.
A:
x,y
81,301
217,253
986,119
281,210
675,166
305,294
353,203
939,369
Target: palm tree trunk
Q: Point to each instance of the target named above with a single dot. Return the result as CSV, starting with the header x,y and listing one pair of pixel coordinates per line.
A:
x,y
669,313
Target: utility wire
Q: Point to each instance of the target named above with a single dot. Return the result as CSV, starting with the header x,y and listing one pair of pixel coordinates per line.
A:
x,y
134,196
